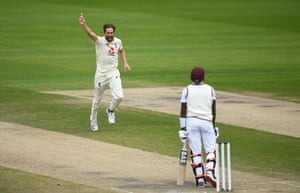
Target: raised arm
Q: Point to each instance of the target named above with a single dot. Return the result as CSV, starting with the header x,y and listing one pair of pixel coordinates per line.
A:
x,y
86,28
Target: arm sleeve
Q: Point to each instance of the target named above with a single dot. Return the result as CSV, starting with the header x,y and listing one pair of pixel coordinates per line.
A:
x,y
98,40
121,45
213,94
184,93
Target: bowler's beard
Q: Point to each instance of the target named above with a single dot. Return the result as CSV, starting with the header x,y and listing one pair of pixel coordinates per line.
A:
x,y
109,39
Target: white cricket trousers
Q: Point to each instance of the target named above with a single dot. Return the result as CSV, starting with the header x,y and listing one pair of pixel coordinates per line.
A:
x,y
115,85
201,132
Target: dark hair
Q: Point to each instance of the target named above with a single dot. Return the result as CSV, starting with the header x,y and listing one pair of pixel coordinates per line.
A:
x,y
105,26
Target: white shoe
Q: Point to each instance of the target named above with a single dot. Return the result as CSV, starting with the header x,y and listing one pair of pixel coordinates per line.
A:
x,y
94,125
200,181
111,116
210,178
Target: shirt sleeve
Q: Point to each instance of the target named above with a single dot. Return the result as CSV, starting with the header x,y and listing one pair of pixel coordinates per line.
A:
x,y
213,94
121,45
184,95
99,40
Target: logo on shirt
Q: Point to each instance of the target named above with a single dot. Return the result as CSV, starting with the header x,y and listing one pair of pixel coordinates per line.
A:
x,y
112,47
111,51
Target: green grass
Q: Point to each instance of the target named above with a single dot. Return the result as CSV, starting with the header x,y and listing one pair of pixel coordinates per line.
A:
x,y
245,46
24,182
249,46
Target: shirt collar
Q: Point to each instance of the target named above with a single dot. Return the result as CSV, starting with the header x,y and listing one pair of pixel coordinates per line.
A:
x,y
201,83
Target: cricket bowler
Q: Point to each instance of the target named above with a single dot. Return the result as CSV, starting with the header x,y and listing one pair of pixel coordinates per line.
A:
x,y
107,74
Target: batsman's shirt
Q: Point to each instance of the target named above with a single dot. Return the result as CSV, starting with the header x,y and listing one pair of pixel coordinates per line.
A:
x,y
107,58
199,99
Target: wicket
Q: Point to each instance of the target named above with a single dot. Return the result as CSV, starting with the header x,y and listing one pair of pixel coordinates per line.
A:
x,y
223,168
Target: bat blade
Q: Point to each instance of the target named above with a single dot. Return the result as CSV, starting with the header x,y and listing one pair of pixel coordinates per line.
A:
x,y
182,166
181,175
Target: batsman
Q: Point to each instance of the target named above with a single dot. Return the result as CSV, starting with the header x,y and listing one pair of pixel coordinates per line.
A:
x,y
197,126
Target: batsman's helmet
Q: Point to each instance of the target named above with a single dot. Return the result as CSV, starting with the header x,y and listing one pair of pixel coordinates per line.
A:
x,y
197,74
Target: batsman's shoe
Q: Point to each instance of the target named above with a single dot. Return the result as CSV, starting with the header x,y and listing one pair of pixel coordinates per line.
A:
x,y
210,178
201,184
94,125
111,116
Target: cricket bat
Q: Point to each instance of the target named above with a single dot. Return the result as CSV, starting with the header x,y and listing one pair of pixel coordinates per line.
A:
x,y
182,165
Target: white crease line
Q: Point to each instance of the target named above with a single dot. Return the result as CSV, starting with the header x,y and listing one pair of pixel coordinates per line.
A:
x,y
285,183
118,189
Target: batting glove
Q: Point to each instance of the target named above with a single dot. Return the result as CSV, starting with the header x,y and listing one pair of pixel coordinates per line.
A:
x,y
183,135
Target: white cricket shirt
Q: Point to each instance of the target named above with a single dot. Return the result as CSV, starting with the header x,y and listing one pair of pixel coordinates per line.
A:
x,y
199,99
107,55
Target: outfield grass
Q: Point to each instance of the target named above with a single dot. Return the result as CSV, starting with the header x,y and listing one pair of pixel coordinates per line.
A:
x,y
249,46
245,46
16,181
